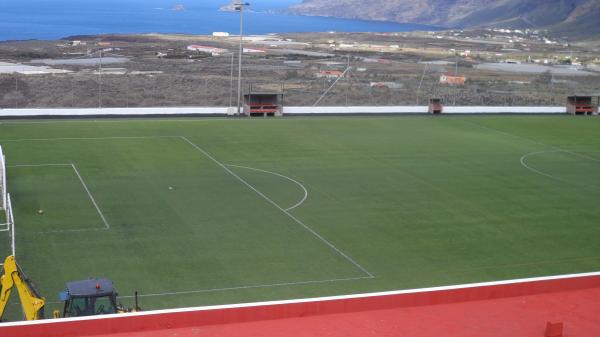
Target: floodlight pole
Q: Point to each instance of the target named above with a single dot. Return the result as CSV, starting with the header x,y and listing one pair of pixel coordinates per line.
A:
x,y
421,83
240,7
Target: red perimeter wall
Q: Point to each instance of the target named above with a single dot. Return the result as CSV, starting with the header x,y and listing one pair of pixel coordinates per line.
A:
x,y
196,317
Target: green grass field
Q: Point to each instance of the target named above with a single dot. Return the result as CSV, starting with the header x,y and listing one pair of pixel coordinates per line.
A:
x,y
211,211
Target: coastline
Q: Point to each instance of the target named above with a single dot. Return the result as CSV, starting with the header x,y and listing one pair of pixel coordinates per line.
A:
x,y
187,22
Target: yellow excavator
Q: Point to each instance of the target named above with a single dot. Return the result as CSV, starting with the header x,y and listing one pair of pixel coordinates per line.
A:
x,y
81,298
31,301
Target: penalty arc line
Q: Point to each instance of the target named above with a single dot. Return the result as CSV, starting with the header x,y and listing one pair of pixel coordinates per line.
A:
x,y
523,161
282,176
325,241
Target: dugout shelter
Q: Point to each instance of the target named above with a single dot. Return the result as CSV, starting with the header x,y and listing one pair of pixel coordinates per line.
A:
x,y
582,105
436,106
263,104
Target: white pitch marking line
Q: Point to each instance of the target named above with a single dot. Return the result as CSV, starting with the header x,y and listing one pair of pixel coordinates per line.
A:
x,y
91,197
84,138
504,132
524,164
282,176
524,157
86,189
272,285
114,120
37,165
69,231
331,245
581,155
557,148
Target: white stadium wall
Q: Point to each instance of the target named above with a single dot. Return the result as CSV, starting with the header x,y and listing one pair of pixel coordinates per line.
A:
x,y
68,112
304,110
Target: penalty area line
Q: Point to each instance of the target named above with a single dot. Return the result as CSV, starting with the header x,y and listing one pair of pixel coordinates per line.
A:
x,y
91,196
69,231
87,190
37,165
287,213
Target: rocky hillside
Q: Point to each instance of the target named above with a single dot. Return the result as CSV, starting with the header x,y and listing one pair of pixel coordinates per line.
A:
x,y
569,16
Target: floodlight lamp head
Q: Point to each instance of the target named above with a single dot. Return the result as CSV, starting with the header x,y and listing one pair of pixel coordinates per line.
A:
x,y
240,5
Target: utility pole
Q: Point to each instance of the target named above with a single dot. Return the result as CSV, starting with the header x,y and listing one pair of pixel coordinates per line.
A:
x,y
128,90
456,63
348,83
455,74
240,7
16,90
72,91
330,87
100,82
231,81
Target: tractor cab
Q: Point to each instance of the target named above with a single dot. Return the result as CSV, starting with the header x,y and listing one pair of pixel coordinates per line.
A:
x,y
89,297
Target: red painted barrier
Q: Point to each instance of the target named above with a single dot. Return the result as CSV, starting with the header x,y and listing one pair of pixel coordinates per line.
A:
x,y
197,317
554,329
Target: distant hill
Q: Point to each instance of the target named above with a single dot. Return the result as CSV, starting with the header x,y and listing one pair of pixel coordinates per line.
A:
x,y
570,17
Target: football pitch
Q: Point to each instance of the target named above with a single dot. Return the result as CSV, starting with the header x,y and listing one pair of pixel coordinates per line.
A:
x,y
194,212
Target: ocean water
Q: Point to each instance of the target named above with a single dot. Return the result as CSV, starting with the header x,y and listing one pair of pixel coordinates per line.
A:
x,y
55,19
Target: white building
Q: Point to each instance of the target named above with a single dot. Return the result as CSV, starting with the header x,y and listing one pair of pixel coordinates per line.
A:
x,y
207,49
389,85
254,51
